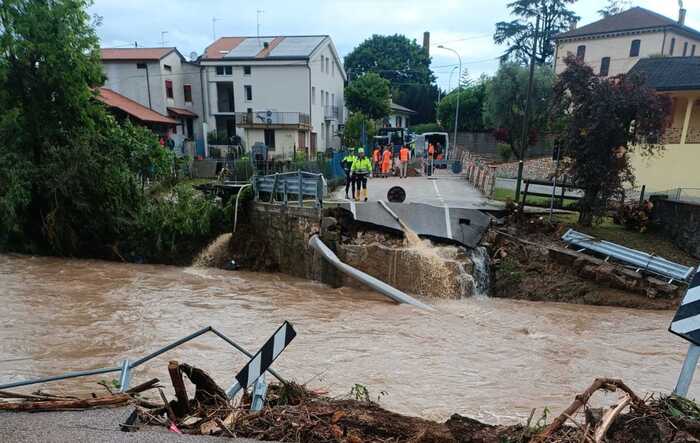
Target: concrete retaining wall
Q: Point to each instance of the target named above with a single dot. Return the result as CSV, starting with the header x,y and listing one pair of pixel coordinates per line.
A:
x,y
680,221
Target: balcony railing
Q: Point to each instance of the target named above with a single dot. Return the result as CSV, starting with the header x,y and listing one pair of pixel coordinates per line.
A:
x,y
331,112
271,119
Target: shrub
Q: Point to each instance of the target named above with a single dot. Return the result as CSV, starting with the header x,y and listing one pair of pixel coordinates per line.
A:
x,y
504,151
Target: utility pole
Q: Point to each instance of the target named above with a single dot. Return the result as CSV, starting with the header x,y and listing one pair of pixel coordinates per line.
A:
x,y
524,136
459,90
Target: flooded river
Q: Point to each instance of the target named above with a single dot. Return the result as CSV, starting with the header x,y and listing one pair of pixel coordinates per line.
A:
x,y
490,359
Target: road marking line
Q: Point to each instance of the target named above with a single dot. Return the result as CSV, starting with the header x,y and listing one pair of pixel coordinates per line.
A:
x,y
448,223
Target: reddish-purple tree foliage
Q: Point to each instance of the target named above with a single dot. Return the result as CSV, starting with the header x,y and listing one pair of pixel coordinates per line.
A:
x,y
599,122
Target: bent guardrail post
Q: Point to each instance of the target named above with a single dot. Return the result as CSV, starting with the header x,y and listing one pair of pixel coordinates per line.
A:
x,y
376,284
259,393
125,377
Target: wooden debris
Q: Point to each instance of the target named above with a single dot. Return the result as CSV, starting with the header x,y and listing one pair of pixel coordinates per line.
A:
x,y
64,405
609,417
207,392
182,406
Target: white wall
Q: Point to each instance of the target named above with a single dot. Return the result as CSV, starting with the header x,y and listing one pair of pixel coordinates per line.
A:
x,y
126,79
331,82
618,49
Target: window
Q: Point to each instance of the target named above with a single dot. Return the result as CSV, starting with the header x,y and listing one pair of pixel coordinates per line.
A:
x,y
323,98
249,111
169,89
246,70
188,93
140,66
248,92
327,63
168,68
604,66
332,99
333,69
692,51
634,49
581,52
224,70
270,139
685,49
327,101
673,46
323,64
219,70
313,95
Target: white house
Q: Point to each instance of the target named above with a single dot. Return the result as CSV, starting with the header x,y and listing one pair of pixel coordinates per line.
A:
x,y
614,44
399,116
161,80
284,91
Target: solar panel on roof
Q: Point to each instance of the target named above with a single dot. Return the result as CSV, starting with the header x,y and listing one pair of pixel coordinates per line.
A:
x,y
296,46
249,47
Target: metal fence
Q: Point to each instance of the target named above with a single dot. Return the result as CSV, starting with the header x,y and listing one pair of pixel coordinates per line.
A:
x,y
684,195
300,184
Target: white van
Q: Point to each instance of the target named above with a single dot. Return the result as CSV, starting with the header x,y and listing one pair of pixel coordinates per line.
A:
x,y
422,141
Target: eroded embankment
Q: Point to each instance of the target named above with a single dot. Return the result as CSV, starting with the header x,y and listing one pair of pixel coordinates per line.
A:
x,y
531,263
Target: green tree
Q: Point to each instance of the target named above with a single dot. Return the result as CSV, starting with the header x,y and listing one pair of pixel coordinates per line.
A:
x,y
369,94
352,135
614,7
504,104
518,34
602,121
471,105
405,64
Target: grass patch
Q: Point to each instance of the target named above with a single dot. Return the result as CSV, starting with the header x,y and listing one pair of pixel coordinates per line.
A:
x,y
502,194
650,241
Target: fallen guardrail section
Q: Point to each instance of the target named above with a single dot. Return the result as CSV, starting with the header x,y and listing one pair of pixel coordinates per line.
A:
x,y
300,184
378,285
641,261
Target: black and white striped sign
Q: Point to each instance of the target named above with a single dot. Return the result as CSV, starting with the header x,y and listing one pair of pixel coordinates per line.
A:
x,y
266,355
686,323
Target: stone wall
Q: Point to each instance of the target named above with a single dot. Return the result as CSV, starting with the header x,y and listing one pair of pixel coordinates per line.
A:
x,y
536,169
680,221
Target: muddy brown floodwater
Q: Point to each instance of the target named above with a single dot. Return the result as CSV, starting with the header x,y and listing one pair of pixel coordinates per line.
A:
x,y
490,359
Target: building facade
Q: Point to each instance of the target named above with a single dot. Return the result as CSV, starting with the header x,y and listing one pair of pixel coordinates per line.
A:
x,y
613,45
161,80
284,91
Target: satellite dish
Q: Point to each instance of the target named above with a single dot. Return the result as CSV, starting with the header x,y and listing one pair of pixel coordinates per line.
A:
x,y
193,55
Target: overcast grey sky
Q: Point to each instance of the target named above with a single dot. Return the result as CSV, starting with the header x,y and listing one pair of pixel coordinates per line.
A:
x,y
464,25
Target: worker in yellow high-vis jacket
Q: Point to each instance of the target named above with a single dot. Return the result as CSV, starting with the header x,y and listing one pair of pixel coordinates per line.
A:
x,y
361,168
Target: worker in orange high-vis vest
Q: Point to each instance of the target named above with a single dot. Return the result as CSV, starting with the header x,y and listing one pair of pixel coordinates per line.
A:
x,y
386,161
431,156
404,156
376,160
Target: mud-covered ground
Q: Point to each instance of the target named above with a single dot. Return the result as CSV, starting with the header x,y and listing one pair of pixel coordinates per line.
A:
x,y
524,267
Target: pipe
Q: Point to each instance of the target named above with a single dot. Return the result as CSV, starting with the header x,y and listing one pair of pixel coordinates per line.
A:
x,y
392,213
235,214
378,285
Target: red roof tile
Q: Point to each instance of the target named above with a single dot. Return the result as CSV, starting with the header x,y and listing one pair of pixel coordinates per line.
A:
x,y
134,53
265,51
222,47
136,110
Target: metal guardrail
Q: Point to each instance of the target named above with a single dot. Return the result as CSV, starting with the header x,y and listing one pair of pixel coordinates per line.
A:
x,y
638,259
125,367
300,184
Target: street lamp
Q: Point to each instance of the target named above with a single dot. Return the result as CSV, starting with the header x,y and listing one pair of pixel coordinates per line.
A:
x,y
458,91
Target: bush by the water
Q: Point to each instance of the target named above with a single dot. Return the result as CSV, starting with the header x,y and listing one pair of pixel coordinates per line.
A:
x,y
73,180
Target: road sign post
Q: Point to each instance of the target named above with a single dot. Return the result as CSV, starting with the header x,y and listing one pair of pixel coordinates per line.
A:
x,y
686,324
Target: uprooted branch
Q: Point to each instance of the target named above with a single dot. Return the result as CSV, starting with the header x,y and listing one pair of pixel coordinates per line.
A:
x,y
607,384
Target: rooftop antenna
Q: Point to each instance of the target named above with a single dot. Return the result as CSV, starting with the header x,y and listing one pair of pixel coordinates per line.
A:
x,y
259,13
162,38
213,27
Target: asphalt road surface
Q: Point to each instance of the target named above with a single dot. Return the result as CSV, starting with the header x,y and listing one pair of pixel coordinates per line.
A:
x,y
95,425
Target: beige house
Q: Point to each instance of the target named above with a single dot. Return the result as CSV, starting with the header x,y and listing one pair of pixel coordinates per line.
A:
x,y
614,44
667,54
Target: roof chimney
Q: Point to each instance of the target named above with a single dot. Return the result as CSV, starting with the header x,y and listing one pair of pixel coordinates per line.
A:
x,y
266,45
681,16
426,42
572,25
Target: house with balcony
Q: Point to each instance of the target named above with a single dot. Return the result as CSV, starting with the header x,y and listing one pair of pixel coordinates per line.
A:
x,y
667,53
613,45
677,167
161,80
283,91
